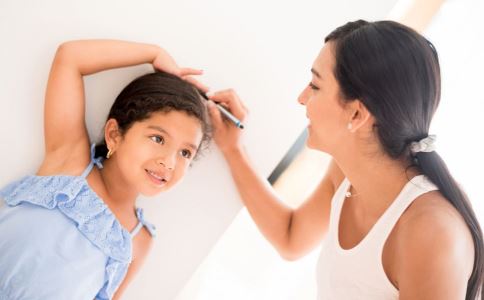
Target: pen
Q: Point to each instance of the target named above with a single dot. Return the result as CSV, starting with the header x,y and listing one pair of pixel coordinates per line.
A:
x,y
225,112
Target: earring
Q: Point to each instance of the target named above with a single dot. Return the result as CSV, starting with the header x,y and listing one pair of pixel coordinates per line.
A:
x,y
350,126
110,152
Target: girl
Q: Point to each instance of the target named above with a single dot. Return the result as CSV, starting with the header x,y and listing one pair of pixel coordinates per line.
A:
x,y
72,231
395,223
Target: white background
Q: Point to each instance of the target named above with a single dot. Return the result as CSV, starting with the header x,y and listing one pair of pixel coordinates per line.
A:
x,y
263,49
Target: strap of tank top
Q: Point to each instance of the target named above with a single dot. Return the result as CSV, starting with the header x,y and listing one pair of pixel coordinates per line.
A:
x,y
142,222
337,203
413,189
94,161
135,231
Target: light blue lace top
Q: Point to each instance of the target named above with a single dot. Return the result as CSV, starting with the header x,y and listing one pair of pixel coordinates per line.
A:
x,y
59,240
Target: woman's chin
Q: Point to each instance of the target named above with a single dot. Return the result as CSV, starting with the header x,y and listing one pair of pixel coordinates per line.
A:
x,y
311,144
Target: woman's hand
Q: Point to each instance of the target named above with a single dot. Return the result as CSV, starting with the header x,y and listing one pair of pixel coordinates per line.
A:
x,y
164,62
226,135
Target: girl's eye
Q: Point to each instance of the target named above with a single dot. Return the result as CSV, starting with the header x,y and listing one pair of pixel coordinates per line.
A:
x,y
313,87
158,139
186,153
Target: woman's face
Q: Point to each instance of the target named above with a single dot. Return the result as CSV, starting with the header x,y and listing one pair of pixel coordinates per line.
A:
x,y
328,120
155,153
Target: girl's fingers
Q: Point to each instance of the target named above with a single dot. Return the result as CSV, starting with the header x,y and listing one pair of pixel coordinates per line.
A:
x,y
190,71
196,83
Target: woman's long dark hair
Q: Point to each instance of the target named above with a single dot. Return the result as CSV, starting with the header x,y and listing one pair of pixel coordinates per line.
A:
x,y
157,92
395,73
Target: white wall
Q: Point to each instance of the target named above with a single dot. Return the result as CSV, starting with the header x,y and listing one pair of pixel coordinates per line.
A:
x,y
264,49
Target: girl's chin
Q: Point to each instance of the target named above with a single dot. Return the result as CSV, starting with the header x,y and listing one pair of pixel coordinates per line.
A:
x,y
151,193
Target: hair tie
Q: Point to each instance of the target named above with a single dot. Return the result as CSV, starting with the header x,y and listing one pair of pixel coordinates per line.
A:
x,y
424,145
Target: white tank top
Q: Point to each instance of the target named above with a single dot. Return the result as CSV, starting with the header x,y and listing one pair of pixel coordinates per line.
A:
x,y
358,273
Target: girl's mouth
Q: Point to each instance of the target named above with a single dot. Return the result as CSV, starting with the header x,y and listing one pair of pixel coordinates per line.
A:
x,y
155,178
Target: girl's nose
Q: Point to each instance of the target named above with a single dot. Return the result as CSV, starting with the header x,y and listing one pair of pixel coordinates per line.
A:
x,y
168,161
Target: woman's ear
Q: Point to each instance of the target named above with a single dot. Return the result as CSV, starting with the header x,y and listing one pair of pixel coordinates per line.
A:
x,y
112,135
359,116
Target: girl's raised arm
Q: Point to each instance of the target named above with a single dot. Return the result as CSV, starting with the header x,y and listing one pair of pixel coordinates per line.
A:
x,y
64,123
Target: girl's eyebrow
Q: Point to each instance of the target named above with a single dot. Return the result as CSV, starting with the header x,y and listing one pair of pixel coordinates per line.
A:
x,y
158,128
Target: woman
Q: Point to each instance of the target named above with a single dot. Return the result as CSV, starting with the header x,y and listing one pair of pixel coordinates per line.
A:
x,y
395,224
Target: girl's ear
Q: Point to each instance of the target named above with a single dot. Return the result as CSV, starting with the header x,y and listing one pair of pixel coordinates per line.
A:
x,y
112,135
359,115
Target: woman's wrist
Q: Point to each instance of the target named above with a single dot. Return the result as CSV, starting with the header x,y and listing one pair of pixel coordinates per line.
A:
x,y
233,151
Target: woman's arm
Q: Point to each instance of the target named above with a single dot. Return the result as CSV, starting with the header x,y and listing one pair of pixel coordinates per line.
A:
x,y
292,232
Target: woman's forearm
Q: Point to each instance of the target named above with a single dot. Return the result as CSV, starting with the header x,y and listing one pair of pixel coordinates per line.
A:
x,y
271,216
91,56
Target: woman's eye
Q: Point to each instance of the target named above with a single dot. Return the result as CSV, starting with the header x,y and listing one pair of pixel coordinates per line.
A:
x,y
158,139
313,87
186,153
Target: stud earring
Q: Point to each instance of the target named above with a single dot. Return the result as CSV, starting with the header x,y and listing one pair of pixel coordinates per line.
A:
x,y
350,126
110,152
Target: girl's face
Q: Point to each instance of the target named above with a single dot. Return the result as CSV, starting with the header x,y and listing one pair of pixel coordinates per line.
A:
x,y
155,153
328,120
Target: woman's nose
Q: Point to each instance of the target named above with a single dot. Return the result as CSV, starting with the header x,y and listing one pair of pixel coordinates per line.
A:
x,y
303,97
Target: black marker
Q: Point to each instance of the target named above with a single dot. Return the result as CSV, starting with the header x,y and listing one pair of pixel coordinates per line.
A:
x,y
225,112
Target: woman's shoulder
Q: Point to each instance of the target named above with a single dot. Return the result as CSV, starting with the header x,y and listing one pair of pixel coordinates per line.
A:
x,y
431,213
432,233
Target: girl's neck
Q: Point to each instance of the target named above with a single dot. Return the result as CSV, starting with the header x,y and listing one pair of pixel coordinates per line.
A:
x,y
121,196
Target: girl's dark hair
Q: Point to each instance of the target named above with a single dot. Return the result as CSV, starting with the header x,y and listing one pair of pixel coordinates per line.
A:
x,y
157,92
395,73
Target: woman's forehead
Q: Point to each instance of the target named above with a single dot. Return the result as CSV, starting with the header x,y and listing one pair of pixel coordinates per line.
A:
x,y
324,63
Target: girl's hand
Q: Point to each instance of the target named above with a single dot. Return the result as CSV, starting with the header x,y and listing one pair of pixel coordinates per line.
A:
x,y
226,135
164,62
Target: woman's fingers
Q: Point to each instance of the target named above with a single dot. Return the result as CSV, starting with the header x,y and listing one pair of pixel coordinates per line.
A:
x,y
230,99
226,135
217,120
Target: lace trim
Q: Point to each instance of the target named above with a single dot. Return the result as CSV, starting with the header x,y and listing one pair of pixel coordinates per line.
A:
x,y
72,196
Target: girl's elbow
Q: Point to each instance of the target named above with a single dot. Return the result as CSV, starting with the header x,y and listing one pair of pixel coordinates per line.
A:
x,y
66,51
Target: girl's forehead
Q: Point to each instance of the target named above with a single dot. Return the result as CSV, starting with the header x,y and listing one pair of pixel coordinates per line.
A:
x,y
169,117
174,122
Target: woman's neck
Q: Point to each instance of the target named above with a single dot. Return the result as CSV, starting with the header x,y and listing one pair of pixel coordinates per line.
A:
x,y
376,180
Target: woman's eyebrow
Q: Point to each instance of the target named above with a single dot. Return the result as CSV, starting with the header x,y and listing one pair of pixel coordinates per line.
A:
x,y
316,73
